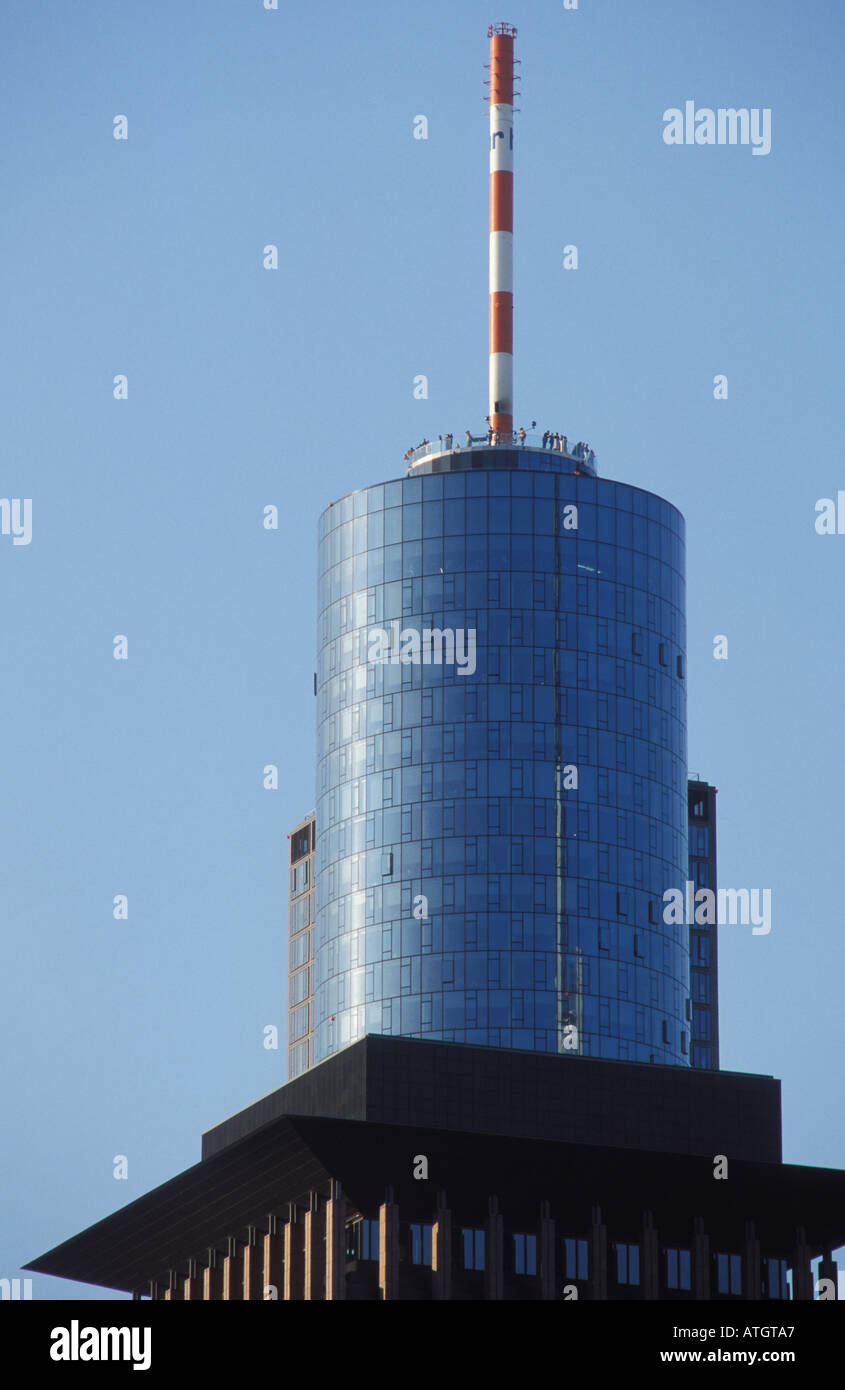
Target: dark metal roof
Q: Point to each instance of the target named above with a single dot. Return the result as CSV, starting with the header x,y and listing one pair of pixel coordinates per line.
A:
x,y
292,1155
532,1095
191,1212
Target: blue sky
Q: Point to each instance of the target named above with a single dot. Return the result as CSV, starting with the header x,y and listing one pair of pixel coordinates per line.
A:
x,y
247,387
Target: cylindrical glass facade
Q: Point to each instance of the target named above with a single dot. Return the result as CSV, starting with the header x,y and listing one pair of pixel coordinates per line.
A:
x,y
502,779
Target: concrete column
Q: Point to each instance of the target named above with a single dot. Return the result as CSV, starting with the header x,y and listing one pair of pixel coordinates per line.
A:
x,y
315,1257
752,1270
494,1251
441,1251
173,1292
700,1260
388,1247
650,1269
293,1278
192,1287
802,1274
153,1289
272,1261
336,1243
598,1257
253,1261
212,1278
546,1253
232,1272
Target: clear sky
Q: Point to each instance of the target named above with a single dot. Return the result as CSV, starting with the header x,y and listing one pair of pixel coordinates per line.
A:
x,y
249,387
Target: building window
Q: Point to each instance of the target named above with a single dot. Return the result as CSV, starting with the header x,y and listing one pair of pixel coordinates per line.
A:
x,y
473,1248
300,843
575,1258
299,950
524,1254
298,1023
362,1240
627,1264
299,986
299,878
699,841
701,1055
678,1269
776,1281
729,1274
698,809
701,1023
297,1060
700,987
421,1245
699,872
300,914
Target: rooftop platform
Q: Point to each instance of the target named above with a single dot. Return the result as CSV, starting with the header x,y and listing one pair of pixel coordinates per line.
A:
x,y
444,455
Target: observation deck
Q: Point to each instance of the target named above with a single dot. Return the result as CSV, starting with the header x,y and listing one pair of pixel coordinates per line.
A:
x,y
445,455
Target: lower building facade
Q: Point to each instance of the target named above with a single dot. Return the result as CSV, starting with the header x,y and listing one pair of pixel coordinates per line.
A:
x,y
316,1192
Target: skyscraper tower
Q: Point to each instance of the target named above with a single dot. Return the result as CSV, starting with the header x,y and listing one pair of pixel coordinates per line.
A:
x,y
502,804
501,734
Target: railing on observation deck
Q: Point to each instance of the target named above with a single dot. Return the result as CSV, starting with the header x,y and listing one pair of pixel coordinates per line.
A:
x,y
579,455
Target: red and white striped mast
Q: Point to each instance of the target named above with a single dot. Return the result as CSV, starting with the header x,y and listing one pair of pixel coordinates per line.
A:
x,y
501,227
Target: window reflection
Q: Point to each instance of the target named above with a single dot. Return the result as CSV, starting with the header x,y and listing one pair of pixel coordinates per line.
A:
x,y
451,780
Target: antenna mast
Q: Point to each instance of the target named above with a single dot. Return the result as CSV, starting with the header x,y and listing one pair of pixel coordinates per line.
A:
x,y
501,227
